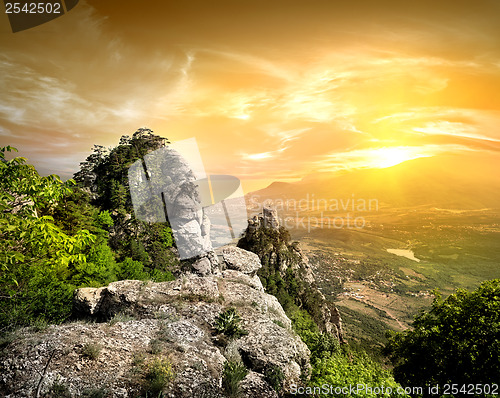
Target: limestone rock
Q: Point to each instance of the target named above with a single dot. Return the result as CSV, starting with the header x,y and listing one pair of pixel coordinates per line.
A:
x,y
86,300
270,217
240,260
254,386
140,321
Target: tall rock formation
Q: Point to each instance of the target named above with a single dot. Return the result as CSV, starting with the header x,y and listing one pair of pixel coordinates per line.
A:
x,y
271,242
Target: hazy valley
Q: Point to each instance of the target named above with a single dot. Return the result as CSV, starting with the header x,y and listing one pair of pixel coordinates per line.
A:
x,y
382,271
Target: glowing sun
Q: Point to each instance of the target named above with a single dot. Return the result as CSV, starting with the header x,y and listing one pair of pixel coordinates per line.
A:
x,y
388,157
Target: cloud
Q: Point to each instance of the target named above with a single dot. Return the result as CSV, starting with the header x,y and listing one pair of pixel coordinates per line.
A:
x,y
381,157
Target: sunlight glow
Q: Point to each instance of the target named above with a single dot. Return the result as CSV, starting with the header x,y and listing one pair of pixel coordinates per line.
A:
x,y
388,157
259,156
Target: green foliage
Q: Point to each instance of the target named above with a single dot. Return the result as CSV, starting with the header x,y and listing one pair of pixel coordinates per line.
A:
x,y
130,269
348,367
91,350
337,365
274,376
104,219
455,341
279,323
275,249
95,393
99,269
167,237
120,317
158,373
155,346
58,390
55,236
332,363
37,257
233,374
228,323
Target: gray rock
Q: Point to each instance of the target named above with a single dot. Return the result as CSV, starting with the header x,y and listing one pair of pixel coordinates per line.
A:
x,y
202,266
240,260
254,386
178,318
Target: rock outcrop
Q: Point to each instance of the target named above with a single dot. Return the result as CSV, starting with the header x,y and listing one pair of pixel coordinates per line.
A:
x,y
271,243
268,219
127,326
240,260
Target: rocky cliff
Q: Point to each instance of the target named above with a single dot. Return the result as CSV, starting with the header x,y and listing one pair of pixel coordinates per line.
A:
x,y
129,330
271,242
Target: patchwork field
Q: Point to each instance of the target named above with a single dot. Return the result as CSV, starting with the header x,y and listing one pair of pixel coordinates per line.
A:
x,y
377,290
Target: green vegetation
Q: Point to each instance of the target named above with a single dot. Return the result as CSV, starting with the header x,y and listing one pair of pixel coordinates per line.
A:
x,y
58,236
274,249
233,374
274,376
338,365
158,374
228,323
95,393
91,350
456,341
58,390
332,363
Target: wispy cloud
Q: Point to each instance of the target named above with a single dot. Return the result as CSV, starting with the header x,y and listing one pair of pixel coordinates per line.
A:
x,y
381,157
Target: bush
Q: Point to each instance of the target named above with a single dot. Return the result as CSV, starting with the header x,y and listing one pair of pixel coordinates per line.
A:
x,y
94,393
155,346
274,376
104,219
348,367
232,375
228,323
456,341
130,269
58,390
91,350
158,374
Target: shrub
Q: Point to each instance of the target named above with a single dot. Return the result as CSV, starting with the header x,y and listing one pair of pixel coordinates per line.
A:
x,y
130,269
155,346
457,339
58,390
167,238
120,317
228,323
104,219
158,374
94,393
279,323
350,367
274,376
91,350
232,375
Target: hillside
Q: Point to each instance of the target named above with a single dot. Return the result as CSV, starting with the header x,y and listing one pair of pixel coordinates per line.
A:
x,y
446,182
132,329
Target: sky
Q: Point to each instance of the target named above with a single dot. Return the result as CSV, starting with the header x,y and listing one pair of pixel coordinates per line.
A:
x,y
271,90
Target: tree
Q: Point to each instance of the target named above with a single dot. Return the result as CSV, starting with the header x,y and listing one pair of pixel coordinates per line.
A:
x,y
457,341
36,255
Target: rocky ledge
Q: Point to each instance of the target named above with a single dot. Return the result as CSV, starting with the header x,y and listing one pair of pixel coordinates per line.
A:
x,y
127,326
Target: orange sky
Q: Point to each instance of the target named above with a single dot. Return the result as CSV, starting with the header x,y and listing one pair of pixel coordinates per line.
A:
x,y
272,90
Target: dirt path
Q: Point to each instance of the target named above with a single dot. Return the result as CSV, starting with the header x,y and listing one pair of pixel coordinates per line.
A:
x,y
401,325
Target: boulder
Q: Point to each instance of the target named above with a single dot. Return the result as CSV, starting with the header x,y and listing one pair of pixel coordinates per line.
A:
x,y
136,323
240,260
254,386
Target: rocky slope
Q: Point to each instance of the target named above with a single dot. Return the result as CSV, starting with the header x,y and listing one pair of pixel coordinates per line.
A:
x,y
127,328
270,242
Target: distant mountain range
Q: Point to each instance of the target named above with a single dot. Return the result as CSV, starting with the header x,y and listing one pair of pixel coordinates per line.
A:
x,y
447,181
